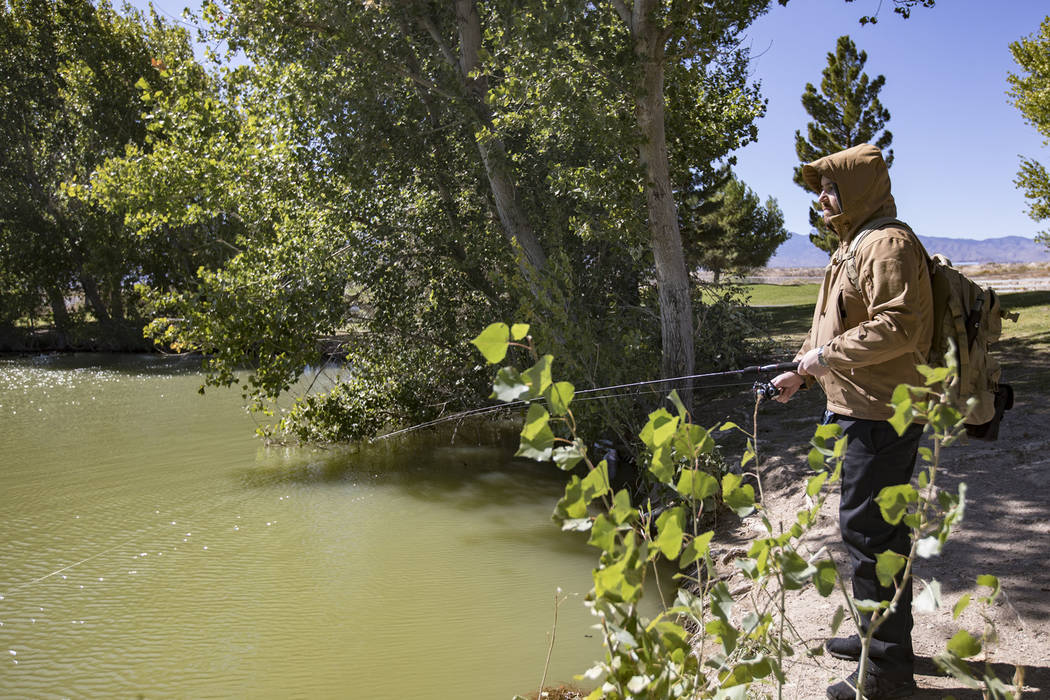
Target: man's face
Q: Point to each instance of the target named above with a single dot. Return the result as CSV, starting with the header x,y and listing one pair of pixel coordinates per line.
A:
x,y
829,198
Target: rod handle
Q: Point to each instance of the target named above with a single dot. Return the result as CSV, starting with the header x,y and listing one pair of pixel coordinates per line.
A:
x,y
779,367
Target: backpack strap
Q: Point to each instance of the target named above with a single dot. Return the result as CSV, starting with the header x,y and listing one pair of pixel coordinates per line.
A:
x,y
870,227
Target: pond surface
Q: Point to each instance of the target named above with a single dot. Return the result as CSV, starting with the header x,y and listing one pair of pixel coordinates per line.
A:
x,y
151,546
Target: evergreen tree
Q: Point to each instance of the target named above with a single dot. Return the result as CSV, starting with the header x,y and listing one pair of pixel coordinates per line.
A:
x,y
846,112
733,230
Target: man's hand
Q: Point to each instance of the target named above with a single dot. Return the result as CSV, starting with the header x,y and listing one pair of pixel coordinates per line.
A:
x,y
788,383
810,364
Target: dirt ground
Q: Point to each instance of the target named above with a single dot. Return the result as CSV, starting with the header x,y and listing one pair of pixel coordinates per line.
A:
x,y
1005,532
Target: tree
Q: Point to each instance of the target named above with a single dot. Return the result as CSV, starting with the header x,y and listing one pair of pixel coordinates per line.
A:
x,y
418,150
846,113
741,232
70,102
1031,94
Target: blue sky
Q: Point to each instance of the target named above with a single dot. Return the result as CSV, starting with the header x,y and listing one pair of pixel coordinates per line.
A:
x,y
956,138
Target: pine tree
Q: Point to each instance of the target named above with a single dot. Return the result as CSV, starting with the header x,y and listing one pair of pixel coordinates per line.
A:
x,y
733,230
845,113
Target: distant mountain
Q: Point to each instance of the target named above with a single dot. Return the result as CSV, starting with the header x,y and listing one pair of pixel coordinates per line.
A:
x,y
797,251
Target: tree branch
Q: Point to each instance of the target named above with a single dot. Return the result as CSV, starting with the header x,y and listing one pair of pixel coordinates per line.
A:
x,y
625,14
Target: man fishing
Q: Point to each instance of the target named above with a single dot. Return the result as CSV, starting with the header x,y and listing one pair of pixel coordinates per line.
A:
x,y
863,342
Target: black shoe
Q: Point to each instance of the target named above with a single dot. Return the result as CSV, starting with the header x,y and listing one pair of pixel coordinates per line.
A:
x,y
844,647
876,687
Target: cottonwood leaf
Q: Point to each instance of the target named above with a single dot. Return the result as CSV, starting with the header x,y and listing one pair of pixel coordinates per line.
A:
x,y
492,342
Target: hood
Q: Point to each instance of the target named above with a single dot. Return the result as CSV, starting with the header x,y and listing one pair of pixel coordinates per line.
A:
x,y
863,182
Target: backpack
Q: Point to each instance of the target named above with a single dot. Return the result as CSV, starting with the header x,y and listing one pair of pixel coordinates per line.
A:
x,y
966,318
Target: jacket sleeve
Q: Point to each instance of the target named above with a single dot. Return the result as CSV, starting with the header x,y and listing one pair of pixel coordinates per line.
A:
x,y
895,285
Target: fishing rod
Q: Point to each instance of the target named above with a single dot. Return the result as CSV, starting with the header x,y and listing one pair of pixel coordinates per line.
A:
x,y
764,389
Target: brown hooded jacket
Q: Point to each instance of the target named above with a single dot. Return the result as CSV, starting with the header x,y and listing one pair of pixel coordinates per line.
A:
x,y
873,337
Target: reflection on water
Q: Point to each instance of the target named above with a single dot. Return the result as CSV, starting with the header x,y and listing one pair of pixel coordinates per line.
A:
x,y
150,546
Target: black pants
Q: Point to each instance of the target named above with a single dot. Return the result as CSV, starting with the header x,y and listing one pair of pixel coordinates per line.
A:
x,y
876,457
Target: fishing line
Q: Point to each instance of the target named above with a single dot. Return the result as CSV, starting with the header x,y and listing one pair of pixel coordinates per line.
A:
x,y
782,366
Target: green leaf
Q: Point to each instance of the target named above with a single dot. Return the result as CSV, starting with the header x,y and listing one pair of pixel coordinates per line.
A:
x,y
894,501
622,511
887,565
739,497
989,581
730,426
869,606
826,577
797,571
603,533
826,431
696,484
816,483
662,465
676,401
671,528
963,645
538,377
691,440
572,504
596,483
537,440
508,385
959,669
697,548
559,395
901,393
933,375
723,632
492,342
519,331
837,618
960,605
721,601
903,414
620,581
660,429
568,456
612,583
736,692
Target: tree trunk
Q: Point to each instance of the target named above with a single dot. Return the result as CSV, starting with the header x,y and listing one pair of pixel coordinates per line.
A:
x,y
116,301
59,315
672,278
91,293
515,223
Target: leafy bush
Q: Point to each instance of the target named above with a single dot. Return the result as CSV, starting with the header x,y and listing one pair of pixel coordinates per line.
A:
x,y
701,647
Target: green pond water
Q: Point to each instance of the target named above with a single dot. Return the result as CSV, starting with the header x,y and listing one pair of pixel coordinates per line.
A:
x,y
151,546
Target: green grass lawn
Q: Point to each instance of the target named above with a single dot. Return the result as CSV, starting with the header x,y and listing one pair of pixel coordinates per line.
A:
x,y
783,294
784,314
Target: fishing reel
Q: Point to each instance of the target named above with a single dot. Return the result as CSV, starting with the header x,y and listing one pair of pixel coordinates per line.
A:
x,y
765,391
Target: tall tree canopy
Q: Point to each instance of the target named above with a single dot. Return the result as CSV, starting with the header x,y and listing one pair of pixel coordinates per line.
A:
x,y
397,174
1030,91
846,112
